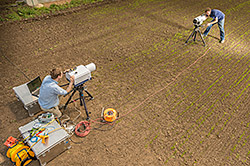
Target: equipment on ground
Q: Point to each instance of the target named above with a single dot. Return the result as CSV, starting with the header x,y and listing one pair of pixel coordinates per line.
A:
x,y
82,74
10,141
28,93
82,129
20,154
109,114
46,140
46,118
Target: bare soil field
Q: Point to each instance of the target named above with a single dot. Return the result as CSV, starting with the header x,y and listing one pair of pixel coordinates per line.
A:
x,y
179,104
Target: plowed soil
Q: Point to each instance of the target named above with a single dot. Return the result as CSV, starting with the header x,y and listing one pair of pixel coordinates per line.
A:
x,y
179,104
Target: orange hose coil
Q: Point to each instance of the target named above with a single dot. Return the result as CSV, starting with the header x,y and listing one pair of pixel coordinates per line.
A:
x,y
86,130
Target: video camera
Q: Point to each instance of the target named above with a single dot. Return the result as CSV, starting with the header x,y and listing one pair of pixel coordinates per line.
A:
x,y
82,73
199,20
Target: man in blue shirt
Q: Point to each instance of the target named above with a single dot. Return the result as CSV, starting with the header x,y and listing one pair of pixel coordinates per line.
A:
x,y
49,91
218,17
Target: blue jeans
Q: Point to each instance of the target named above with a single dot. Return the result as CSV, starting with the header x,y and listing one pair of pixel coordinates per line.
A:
x,y
221,27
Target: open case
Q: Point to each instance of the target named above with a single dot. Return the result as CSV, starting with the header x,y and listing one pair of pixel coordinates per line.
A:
x,y
28,94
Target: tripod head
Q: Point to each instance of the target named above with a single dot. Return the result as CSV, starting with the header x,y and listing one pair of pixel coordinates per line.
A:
x,y
197,26
79,88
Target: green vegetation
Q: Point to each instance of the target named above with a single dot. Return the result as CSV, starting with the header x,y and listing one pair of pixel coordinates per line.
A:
x,y
23,11
13,16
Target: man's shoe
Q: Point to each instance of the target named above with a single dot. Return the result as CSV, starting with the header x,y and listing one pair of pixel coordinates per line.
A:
x,y
222,41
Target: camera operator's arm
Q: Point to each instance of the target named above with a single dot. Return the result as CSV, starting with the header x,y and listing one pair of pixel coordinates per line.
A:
x,y
72,78
213,22
65,71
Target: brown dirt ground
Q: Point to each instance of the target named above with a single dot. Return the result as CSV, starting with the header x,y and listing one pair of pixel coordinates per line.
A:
x,y
180,115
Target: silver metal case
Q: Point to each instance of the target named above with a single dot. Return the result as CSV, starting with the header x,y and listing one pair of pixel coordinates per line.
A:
x,y
57,142
29,101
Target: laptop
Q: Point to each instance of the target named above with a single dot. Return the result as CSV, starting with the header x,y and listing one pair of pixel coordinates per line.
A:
x,y
34,86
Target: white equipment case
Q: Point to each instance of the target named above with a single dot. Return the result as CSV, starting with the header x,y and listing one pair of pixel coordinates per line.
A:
x,y
81,73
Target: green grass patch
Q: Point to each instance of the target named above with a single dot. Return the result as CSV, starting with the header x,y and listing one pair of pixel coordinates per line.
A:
x,y
12,16
1,18
23,11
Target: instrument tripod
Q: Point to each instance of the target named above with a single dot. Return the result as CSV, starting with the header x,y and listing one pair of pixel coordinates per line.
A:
x,y
80,89
194,33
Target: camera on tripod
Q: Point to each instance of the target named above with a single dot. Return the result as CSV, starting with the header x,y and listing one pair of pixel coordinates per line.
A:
x,y
82,74
197,23
199,20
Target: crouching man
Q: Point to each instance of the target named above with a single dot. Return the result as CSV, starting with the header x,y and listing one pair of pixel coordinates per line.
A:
x,y
50,91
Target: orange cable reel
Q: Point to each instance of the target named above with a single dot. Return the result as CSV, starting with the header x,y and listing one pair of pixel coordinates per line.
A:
x,y
20,154
110,115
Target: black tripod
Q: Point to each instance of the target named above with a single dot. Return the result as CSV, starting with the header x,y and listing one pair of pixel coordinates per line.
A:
x,y
80,89
194,33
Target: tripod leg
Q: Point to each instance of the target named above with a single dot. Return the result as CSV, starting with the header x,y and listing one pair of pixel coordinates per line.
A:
x,y
195,35
202,38
65,106
190,36
81,96
91,97
82,102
